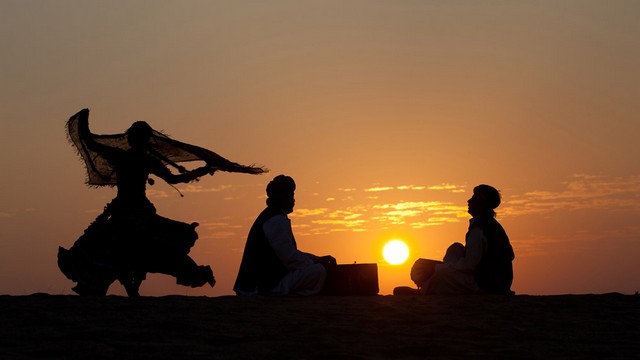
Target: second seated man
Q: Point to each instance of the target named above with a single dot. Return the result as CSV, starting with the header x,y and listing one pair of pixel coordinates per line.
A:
x,y
271,263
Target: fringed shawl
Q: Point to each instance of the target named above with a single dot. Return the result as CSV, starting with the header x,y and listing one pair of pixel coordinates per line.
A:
x,y
170,152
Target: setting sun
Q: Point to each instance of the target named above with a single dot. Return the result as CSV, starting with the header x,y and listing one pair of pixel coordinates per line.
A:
x,y
395,252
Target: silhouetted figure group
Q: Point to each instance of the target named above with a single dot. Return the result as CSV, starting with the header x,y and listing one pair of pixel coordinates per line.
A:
x,y
129,239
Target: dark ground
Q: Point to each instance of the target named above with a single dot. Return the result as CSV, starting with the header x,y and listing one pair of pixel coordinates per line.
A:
x,y
378,327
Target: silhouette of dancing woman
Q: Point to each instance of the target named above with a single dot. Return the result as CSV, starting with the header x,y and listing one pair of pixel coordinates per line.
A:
x,y
129,240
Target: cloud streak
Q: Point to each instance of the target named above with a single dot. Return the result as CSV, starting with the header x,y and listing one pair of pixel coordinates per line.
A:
x,y
436,205
7,214
580,193
371,211
14,213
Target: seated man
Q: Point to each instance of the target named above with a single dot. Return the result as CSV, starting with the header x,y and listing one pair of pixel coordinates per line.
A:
x,y
271,263
482,265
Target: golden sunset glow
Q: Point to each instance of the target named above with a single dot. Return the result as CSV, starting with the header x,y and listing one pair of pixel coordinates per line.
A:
x,y
386,114
395,252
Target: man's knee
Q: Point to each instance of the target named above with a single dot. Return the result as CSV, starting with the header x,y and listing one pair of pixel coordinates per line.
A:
x,y
319,271
454,252
310,280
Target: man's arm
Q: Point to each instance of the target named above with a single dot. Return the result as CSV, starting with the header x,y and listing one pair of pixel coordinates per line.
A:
x,y
280,236
165,174
473,253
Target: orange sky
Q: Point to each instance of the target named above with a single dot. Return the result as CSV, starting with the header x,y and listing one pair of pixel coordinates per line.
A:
x,y
386,113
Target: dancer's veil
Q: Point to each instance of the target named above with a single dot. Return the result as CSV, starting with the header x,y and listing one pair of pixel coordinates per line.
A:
x,y
171,152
